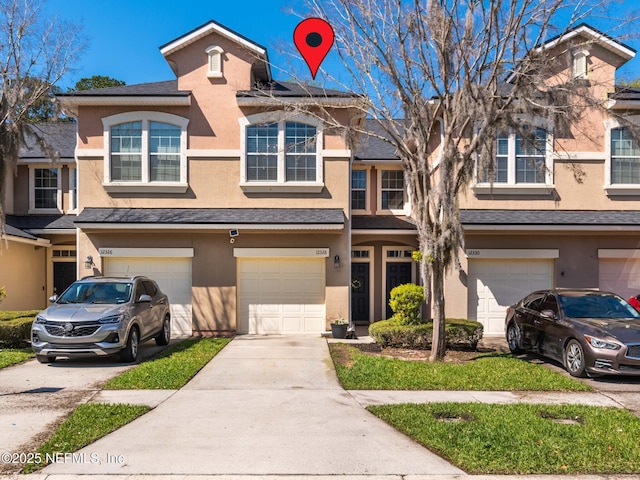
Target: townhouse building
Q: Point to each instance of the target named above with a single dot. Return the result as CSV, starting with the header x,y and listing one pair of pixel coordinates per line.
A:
x,y
256,218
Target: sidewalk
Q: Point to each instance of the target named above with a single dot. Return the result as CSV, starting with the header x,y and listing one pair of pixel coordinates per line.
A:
x,y
271,408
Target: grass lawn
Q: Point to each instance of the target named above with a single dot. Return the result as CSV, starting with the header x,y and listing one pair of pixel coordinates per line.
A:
x,y
13,356
172,369
496,372
85,425
523,439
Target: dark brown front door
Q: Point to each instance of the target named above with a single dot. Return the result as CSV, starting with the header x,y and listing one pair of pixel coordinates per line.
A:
x,y
360,292
398,273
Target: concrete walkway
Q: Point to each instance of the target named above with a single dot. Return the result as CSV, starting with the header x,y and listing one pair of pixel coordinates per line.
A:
x,y
263,406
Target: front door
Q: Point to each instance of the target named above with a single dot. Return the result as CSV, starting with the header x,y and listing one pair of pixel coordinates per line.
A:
x,y
360,293
398,273
64,274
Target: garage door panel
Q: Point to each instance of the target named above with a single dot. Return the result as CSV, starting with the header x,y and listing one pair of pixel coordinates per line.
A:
x,y
496,284
173,276
620,275
287,295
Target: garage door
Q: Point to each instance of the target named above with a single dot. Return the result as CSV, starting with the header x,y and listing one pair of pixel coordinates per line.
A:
x,y
620,275
173,276
281,295
495,284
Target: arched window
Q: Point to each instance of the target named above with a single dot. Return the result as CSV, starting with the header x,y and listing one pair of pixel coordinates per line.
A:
x,y
214,63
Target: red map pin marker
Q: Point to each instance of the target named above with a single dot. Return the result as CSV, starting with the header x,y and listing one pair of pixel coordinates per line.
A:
x,y
313,38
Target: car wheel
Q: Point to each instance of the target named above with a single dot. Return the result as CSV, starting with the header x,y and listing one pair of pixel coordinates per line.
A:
x,y
574,358
130,352
513,338
45,359
165,334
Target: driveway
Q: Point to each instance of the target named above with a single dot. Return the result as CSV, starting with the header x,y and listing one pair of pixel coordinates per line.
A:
x,y
34,397
264,405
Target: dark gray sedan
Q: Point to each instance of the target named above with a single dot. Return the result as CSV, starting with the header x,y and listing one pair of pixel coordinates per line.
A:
x,y
590,332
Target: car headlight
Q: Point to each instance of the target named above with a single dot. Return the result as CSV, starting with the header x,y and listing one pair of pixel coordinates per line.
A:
x,y
112,319
40,319
599,343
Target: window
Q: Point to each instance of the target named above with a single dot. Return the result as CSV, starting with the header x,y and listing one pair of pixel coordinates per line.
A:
x,y
73,189
579,65
392,189
45,190
625,158
520,160
262,153
214,63
281,153
359,190
147,150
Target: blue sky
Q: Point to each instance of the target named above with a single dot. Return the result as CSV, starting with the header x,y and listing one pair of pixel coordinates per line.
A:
x,y
125,35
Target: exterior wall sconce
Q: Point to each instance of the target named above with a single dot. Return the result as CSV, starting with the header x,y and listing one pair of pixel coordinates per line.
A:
x,y
336,262
88,263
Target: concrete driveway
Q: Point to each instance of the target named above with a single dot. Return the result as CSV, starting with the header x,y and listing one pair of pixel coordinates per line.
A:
x,y
34,397
263,406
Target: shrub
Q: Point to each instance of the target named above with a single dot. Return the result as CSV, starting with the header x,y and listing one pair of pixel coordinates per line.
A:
x,y
15,333
459,334
405,301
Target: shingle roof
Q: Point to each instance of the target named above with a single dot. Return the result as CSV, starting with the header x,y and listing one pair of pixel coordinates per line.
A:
x,y
290,89
16,232
61,138
371,147
550,217
381,222
161,89
239,216
41,222
623,92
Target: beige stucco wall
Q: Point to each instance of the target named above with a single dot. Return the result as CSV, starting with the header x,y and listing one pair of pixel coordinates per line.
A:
x,y
214,266
576,267
23,274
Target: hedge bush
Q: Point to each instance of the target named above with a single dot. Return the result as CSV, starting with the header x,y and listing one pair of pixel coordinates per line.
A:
x,y
405,301
460,334
15,329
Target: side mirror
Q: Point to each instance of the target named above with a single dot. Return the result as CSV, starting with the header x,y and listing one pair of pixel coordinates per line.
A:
x,y
548,314
53,298
144,299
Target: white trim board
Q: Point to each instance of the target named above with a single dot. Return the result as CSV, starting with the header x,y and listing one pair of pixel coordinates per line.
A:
x,y
281,252
146,252
515,253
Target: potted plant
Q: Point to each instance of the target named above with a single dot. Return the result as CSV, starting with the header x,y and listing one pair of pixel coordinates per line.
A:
x,y
339,328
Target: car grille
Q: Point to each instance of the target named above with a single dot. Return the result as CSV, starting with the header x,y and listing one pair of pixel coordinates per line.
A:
x,y
633,351
57,329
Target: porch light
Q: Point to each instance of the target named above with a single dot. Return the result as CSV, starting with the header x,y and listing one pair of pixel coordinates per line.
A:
x,y
336,262
88,263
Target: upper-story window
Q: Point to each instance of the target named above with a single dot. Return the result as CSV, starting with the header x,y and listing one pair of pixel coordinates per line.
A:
x,y
580,65
45,190
625,158
214,61
145,150
285,154
520,161
392,192
358,190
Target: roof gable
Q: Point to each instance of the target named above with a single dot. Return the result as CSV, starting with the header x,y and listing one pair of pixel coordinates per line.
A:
x,y
264,68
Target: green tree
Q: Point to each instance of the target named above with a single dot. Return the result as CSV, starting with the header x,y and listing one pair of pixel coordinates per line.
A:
x,y
96,81
36,50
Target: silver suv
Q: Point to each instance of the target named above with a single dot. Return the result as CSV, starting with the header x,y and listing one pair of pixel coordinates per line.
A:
x,y
102,316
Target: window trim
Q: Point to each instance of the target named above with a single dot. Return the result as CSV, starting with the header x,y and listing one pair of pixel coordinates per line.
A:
x,y
367,200
580,55
510,187
145,185
281,185
616,189
214,52
32,186
393,211
73,192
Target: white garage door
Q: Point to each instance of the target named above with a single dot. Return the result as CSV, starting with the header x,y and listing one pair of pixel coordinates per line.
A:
x,y
281,295
173,276
620,275
496,284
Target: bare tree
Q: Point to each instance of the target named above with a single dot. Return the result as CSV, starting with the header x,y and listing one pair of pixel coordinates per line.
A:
x,y
442,78
36,50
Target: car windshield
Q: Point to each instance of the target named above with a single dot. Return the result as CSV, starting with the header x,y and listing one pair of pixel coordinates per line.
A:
x,y
596,306
97,292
